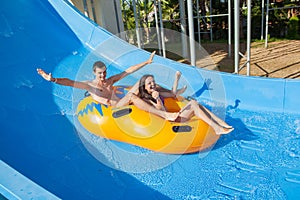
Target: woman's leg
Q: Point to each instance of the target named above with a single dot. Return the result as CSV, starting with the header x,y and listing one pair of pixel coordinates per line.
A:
x,y
142,105
193,109
215,118
126,99
138,102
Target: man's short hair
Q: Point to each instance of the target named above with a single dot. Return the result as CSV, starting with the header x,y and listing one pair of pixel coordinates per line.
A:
x,y
98,64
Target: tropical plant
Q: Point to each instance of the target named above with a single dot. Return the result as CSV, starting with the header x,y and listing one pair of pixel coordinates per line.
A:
x,y
280,24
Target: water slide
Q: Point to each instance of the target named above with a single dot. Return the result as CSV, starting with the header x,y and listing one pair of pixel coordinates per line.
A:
x,y
46,154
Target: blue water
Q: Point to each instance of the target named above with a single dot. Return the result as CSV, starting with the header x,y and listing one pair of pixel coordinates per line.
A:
x,y
258,160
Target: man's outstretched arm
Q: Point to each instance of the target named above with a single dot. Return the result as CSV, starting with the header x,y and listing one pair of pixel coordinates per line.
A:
x,y
132,69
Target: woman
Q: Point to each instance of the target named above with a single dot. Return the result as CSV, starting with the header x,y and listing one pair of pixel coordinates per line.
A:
x,y
148,92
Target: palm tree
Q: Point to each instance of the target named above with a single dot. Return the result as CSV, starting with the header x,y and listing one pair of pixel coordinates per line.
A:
x,y
145,13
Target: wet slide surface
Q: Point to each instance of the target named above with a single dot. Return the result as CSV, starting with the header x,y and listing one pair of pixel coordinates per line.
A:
x,y
42,140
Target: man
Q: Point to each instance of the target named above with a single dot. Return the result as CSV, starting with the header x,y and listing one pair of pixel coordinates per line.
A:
x,y
101,88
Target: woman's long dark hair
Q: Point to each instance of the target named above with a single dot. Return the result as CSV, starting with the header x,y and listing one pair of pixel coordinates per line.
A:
x,y
143,94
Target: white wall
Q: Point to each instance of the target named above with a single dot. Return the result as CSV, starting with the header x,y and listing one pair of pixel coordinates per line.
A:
x,y
106,13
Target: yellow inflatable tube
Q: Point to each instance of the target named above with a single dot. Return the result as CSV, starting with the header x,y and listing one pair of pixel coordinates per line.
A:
x,y
131,125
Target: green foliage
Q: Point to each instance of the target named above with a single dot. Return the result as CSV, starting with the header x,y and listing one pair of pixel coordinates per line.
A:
x,y
293,28
280,26
146,18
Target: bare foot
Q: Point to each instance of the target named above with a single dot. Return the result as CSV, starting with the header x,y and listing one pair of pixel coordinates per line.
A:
x,y
171,116
223,124
224,131
226,126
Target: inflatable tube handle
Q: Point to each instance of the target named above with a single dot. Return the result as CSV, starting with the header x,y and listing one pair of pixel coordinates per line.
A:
x,y
180,129
122,112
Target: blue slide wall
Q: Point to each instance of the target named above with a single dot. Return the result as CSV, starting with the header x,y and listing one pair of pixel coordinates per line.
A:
x,y
41,141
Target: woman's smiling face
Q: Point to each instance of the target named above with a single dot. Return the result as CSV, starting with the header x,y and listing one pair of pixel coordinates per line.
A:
x,y
150,85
